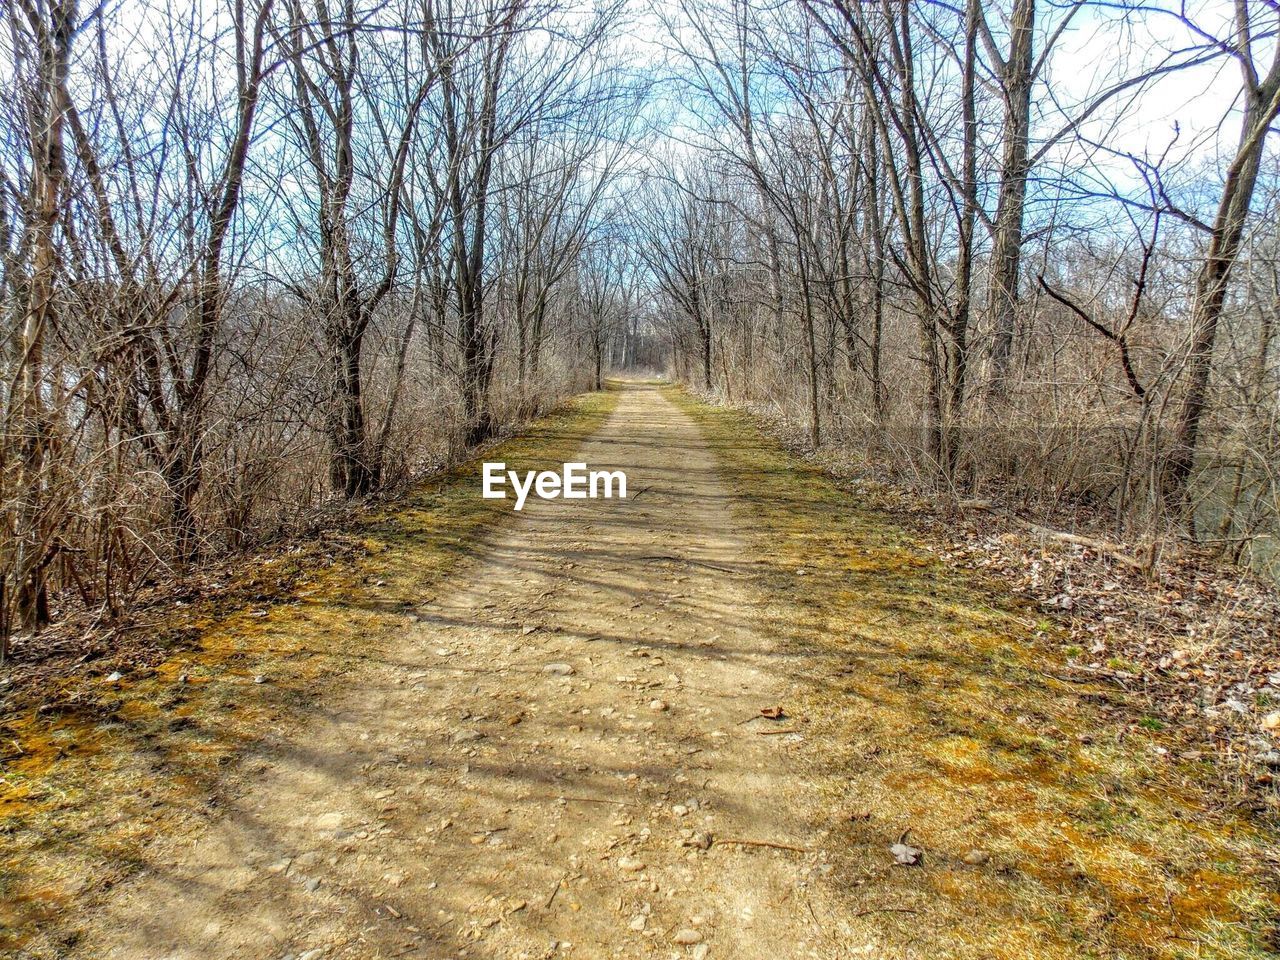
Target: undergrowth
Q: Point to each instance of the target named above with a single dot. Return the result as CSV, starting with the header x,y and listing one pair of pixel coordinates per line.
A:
x,y
1053,822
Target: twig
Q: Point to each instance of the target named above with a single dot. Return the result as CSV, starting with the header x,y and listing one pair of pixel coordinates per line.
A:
x,y
867,913
1066,678
637,494
822,928
762,843
620,803
655,557
554,891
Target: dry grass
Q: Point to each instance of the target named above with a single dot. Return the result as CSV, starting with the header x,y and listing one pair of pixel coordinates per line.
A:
x,y
111,764
938,712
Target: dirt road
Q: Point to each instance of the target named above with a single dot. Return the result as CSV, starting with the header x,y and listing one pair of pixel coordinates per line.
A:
x,y
538,771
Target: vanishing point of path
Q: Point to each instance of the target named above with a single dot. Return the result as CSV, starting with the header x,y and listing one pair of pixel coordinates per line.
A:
x,y
561,758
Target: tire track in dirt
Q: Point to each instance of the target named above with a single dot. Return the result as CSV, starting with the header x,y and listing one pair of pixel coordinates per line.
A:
x,y
537,770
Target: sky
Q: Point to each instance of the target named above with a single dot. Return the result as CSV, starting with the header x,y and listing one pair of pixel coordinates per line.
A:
x,y
1188,118
1196,101
1102,45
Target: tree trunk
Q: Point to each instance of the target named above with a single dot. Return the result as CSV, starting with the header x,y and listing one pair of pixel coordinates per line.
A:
x,y
704,332
958,343
1006,254
47,175
1262,105
350,468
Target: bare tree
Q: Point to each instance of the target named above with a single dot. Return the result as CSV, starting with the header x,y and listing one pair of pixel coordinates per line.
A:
x,y
1260,92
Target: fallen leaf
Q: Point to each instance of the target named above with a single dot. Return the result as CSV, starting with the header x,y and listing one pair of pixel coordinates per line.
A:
x,y
906,855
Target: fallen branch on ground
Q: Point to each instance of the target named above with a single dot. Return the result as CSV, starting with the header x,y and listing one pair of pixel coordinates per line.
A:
x,y
1112,550
761,843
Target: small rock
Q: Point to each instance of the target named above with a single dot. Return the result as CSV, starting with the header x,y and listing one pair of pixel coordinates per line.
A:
x,y
700,840
1271,722
312,885
313,954
700,952
976,858
658,705
115,676
467,736
630,864
638,922
687,937
259,678
559,669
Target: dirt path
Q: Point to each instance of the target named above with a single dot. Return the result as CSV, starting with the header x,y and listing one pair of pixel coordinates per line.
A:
x,y
538,769
552,746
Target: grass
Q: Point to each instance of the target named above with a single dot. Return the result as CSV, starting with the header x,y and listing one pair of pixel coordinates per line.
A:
x,y
939,713
85,785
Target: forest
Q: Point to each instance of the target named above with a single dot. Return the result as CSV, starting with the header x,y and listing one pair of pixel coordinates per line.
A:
x,y
259,257
931,346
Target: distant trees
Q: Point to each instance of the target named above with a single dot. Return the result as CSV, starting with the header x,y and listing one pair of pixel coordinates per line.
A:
x,y
680,245
927,248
